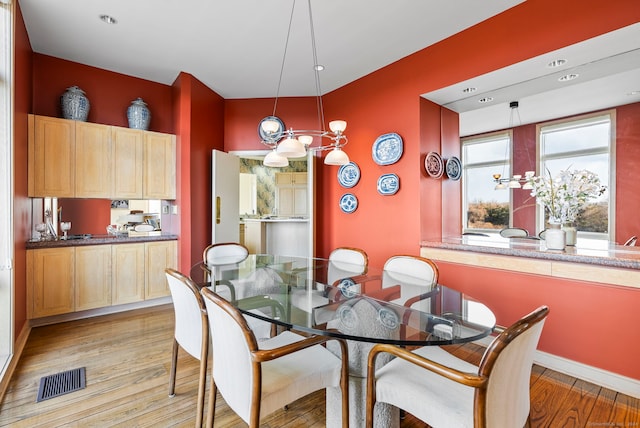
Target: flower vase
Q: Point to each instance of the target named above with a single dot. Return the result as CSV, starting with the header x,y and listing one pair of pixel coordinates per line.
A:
x,y
555,237
138,115
75,105
571,233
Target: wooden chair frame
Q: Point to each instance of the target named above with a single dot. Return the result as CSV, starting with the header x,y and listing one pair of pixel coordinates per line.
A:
x,y
204,355
259,356
478,381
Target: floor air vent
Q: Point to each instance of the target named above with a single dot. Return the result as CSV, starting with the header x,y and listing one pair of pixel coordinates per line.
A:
x,y
61,383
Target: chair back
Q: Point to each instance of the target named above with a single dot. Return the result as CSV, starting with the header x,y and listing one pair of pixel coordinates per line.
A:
x,y
190,313
507,364
631,242
232,342
514,232
345,262
415,275
224,253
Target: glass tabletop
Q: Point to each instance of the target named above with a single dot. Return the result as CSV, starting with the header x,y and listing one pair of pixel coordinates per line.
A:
x,y
339,299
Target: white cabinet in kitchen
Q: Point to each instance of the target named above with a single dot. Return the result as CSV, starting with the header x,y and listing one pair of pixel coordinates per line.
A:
x,y
255,236
291,194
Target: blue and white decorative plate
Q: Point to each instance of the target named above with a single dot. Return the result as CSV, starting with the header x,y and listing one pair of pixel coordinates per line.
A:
x,y
348,288
348,203
387,149
388,318
388,184
454,168
277,135
349,175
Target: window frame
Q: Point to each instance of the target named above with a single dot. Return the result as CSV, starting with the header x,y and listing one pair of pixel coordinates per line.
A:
x,y
576,122
506,162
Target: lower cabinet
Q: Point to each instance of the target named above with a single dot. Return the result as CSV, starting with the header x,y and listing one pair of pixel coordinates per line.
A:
x,y
71,279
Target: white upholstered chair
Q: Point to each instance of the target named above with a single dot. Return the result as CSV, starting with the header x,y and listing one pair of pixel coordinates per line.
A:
x,y
346,262
220,257
417,278
190,332
257,380
446,392
514,232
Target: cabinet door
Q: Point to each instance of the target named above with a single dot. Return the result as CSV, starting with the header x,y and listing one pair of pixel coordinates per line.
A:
x,y
93,161
93,277
255,237
283,178
51,169
50,282
127,162
299,178
159,256
300,201
285,200
159,174
128,273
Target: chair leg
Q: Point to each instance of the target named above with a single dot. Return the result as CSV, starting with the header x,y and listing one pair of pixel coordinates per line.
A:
x,y
172,373
344,383
211,408
371,399
201,383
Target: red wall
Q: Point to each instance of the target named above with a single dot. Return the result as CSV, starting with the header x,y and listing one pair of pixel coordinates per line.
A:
x,y
109,93
627,161
21,203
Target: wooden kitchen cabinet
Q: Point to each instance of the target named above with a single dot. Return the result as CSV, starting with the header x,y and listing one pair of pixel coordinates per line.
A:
x,y
50,282
93,161
128,162
159,170
291,194
92,277
52,148
255,237
69,158
128,273
291,178
159,256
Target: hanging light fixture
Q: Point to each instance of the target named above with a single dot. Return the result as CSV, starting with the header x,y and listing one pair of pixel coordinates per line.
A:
x,y
294,143
516,181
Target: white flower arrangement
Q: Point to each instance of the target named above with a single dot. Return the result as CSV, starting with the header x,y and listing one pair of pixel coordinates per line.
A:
x,y
566,194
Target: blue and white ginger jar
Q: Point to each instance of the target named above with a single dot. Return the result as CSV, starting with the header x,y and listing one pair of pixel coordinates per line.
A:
x,y
75,104
138,115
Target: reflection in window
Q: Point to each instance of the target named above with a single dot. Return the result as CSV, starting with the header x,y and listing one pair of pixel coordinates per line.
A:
x,y
584,143
483,207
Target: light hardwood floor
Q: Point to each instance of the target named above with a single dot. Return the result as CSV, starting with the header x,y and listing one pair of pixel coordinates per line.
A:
x,y
127,358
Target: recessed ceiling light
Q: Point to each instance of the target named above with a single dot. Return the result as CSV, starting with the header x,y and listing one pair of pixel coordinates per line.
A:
x,y
469,90
568,77
634,93
485,100
108,19
557,63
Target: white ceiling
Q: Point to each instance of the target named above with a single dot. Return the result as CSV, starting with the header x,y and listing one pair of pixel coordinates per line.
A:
x,y
236,47
608,69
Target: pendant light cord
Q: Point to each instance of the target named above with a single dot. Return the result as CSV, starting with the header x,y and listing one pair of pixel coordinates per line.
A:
x,y
284,57
316,70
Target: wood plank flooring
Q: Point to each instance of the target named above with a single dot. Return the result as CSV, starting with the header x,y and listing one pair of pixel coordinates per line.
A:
x,y
127,360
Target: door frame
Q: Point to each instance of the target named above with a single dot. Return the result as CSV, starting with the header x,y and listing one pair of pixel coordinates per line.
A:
x,y
311,199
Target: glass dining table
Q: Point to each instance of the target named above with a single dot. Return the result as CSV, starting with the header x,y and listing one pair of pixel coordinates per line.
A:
x,y
365,306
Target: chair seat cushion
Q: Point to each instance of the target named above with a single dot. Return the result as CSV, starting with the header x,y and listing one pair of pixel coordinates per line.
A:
x,y
295,375
432,398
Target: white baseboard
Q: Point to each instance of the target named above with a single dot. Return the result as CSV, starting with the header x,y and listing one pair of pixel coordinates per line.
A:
x,y
610,380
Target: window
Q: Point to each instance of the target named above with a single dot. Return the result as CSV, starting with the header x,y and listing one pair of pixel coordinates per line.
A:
x,y
582,143
484,208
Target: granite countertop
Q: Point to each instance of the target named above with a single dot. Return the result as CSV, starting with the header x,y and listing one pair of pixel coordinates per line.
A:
x,y
586,251
98,240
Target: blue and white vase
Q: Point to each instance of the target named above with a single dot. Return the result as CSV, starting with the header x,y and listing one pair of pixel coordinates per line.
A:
x,y
75,104
138,115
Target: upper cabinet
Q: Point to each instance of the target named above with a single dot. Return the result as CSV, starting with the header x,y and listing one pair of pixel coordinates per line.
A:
x,y
291,194
70,158
159,170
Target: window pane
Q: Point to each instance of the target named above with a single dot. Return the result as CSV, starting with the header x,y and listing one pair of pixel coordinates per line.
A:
x,y
576,138
487,208
494,150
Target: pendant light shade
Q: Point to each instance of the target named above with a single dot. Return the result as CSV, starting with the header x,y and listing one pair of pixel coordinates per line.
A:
x,y
336,157
291,148
273,159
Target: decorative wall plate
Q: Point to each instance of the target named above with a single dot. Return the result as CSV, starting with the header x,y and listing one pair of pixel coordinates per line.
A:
x,y
387,149
349,175
454,168
348,203
388,318
278,134
434,165
388,184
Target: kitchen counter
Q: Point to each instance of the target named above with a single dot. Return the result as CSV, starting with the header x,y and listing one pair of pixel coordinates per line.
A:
x,y
98,240
276,220
589,260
